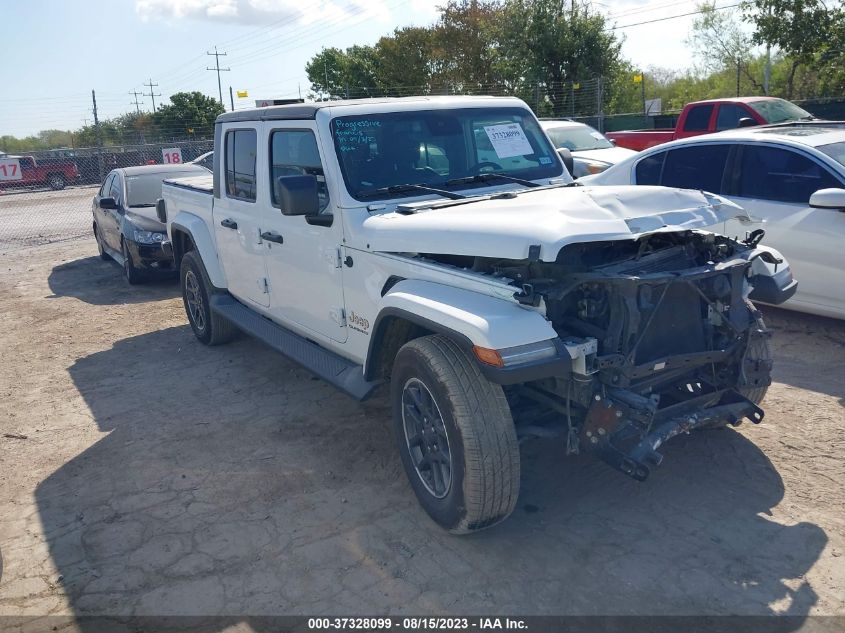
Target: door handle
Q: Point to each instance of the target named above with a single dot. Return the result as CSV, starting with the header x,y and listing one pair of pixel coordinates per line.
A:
x,y
272,236
229,224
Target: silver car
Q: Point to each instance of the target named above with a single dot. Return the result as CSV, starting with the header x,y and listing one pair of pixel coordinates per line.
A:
x,y
592,152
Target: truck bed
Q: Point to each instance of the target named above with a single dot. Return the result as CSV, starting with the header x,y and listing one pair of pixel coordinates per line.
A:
x,y
202,184
638,140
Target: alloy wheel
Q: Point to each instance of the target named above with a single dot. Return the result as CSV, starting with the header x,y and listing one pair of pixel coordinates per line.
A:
x,y
426,438
193,297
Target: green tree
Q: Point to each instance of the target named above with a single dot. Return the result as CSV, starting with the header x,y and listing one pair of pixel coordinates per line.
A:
x,y
551,45
404,61
466,44
803,30
334,73
189,114
720,43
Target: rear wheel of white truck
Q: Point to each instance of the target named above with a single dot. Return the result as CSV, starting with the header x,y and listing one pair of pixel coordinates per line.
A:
x,y
455,435
208,327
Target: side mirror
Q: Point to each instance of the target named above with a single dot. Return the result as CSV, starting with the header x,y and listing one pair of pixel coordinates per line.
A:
x,y
108,203
297,195
612,141
568,162
747,121
828,199
161,211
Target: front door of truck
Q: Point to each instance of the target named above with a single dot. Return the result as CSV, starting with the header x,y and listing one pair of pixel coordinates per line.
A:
x,y
237,216
303,264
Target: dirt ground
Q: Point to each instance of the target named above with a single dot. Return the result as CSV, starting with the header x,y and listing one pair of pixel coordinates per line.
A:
x,y
142,473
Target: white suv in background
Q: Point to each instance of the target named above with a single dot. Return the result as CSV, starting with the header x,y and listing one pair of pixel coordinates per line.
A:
x,y
789,178
592,152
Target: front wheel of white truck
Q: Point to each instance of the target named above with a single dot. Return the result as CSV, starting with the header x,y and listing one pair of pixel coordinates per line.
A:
x,y
455,434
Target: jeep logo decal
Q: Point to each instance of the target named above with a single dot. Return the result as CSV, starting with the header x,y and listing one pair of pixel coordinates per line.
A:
x,y
357,322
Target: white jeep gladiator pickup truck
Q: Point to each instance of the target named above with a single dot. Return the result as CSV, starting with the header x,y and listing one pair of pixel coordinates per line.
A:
x,y
439,244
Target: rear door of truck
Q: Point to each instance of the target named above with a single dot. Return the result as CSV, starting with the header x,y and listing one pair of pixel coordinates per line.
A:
x,y
237,214
696,120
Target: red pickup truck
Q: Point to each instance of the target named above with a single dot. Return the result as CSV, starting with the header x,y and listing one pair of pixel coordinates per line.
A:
x,y
53,174
714,115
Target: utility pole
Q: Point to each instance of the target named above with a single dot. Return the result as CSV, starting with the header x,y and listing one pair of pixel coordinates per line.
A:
x,y
219,70
99,134
767,72
152,94
600,102
738,67
642,86
136,94
231,99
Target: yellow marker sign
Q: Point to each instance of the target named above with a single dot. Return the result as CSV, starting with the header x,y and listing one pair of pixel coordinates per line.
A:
x,y
638,79
242,94
576,86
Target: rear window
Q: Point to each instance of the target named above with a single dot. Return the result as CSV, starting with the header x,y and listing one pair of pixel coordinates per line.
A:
x,y
649,168
241,147
144,190
699,167
698,118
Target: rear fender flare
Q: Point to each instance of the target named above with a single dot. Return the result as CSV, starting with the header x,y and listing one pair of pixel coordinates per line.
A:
x,y
197,229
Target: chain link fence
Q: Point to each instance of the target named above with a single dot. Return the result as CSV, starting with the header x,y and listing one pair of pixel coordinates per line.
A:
x,y
46,196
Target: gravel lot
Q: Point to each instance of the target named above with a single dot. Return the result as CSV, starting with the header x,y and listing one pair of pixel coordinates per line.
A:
x,y
142,473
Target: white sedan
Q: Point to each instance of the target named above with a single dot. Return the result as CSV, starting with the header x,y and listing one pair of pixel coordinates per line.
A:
x,y
592,153
790,179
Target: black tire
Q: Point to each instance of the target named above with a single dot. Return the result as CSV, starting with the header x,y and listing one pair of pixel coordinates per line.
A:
x,y
56,181
103,254
208,327
132,274
481,443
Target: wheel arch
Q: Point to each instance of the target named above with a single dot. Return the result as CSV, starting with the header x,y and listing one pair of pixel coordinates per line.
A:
x,y
414,308
393,328
189,232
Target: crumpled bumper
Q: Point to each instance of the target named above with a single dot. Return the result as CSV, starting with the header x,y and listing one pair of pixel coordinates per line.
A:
x,y
614,426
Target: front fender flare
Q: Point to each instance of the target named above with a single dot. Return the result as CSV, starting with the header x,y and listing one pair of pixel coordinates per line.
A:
x,y
468,317
197,229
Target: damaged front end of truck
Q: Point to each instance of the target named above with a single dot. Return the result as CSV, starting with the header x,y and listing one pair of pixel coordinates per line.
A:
x,y
657,337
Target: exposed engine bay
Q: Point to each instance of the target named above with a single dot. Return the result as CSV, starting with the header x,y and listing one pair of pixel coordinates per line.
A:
x,y
661,335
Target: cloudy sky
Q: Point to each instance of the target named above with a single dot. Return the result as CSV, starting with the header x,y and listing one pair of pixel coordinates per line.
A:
x,y
56,51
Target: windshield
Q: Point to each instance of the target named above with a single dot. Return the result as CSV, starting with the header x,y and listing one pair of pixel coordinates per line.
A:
x,y
576,138
143,191
835,150
434,147
779,111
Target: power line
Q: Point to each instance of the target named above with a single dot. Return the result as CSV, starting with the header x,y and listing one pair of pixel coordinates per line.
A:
x,y
218,69
152,93
674,17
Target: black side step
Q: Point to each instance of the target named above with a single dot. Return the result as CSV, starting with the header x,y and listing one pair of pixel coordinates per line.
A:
x,y
342,373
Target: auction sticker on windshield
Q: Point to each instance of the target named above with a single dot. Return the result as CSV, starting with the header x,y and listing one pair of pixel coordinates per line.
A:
x,y
508,140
